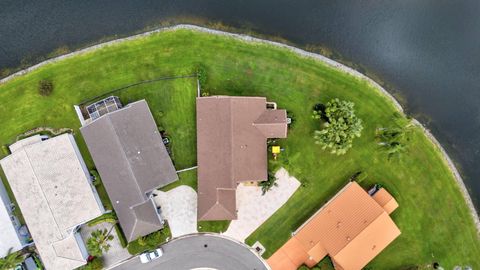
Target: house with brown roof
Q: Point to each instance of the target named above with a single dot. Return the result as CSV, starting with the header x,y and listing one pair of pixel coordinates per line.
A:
x,y
352,228
232,135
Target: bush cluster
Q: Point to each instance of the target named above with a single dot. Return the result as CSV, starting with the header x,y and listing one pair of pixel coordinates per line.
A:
x,y
149,242
45,87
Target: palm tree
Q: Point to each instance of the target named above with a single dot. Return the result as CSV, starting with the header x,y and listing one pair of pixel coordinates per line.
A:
x,y
268,184
393,140
11,260
98,242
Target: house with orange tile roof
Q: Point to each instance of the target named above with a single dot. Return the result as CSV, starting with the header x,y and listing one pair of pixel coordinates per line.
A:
x,y
352,228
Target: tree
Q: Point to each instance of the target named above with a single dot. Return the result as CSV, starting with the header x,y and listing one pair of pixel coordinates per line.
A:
x,y
45,87
11,260
340,128
394,139
98,242
269,183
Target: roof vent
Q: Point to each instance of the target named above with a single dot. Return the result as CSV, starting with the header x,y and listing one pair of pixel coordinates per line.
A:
x,y
348,238
338,224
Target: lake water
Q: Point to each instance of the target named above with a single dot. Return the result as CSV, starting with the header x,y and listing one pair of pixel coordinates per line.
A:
x,y
428,52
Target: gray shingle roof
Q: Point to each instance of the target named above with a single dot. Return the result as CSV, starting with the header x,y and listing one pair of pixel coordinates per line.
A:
x,y
132,160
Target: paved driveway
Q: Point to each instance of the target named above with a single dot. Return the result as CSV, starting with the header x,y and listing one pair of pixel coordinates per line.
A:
x,y
179,208
201,252
254,209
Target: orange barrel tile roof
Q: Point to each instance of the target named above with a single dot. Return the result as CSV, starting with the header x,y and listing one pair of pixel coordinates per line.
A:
x,y
385,200
352,228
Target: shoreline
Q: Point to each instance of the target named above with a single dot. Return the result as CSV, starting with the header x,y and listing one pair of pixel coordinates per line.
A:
x,y
332,63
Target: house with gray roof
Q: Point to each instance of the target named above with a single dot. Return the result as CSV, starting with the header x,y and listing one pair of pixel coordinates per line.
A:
x,y
132,161
53,189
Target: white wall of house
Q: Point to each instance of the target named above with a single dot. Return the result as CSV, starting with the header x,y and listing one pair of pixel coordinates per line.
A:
x,y
9,225
81,245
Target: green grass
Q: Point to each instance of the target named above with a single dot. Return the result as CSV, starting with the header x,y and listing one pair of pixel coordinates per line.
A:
x,y
433,217
218,226
149,242
186,178
121,236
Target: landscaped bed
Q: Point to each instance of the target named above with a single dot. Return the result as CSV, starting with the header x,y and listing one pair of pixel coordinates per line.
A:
x,y
434,218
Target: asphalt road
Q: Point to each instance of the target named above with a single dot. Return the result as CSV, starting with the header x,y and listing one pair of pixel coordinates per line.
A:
x,y
200,251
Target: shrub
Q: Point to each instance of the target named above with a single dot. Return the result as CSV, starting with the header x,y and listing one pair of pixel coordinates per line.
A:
x,y
149,242
5,150
269,183
110,217
201,75
341,127
95,264
121,237
95,177
45,87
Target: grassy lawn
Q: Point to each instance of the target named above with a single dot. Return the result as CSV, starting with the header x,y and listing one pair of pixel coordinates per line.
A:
x,y
433,217
187,178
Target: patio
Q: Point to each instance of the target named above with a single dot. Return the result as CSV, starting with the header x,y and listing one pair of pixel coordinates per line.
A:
x,y
254,209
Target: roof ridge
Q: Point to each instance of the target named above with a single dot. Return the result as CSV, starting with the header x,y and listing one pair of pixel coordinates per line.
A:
x,y
217,205
232,168
117,139
130,235
359,233
323,207
58,254
141,219
43,192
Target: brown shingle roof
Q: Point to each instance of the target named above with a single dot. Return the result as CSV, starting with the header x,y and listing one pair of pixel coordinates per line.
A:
x,y
352,229
231,148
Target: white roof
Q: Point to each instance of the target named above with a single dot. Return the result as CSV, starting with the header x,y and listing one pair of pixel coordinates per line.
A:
x,y
50,182
9,238
24,142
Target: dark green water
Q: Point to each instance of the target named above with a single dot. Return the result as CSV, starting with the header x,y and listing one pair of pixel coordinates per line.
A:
x,y
426,51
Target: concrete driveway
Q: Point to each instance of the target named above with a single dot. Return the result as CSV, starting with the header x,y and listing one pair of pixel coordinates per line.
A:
x,y
179,208
254,209
203,251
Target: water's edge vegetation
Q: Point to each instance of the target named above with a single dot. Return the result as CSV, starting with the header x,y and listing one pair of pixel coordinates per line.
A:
x,y
9,83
